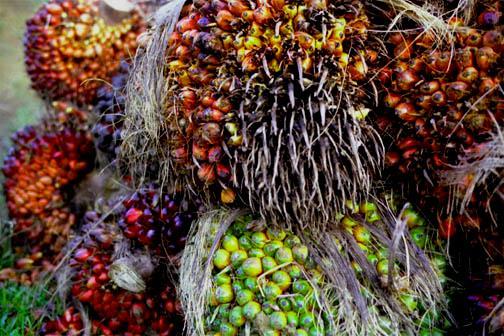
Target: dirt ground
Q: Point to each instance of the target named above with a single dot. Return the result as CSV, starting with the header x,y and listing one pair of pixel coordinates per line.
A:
x,y
18,103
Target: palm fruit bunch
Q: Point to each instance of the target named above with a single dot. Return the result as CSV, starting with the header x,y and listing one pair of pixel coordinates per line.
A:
x,y
369,253
157,220
68,44
43,165
265,281
439,105
124,295
262,282
109,113
254,103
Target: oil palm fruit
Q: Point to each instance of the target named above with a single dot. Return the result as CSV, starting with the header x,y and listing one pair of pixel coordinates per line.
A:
x,y
157,220
68,44
69,323
258,281
262,281
99,282
253,104
362,225
43,165
109,113
441,105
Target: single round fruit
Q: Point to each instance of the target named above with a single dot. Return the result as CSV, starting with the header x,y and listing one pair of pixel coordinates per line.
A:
x,y
224,293
282,279
238,257
236,317
268,263
292,319
300,253
230,243
221,259
227,329
221,279
301,287
278,320
259,239
252,267
272,291
244,296
271,247
251,309
284,255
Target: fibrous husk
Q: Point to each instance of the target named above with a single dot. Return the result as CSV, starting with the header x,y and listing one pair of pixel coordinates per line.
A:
x,y
146,90
357,302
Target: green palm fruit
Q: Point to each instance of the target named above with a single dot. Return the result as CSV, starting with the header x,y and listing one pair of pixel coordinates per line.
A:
x,y
264,276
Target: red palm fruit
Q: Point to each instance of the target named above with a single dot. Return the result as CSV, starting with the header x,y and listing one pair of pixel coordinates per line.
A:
x,y
66,48
407,112
111,309
206,173
446,111
406,80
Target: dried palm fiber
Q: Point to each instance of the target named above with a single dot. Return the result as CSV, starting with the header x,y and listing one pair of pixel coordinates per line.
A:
x,y
356,291
145,96
258,107
439,104
44,164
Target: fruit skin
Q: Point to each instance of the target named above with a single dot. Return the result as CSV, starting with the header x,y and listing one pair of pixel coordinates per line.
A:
x,y
42,167
68,48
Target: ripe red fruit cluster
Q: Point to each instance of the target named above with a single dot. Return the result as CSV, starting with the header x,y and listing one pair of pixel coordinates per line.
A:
x,y
113,309
42,166
438,105
160,221
67,45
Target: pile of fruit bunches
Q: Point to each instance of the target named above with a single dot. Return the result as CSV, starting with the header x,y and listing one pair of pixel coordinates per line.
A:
x,y
263,282
359,224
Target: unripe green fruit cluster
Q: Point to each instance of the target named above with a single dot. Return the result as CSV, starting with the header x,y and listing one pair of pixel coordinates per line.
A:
x,y
362,216
264,281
